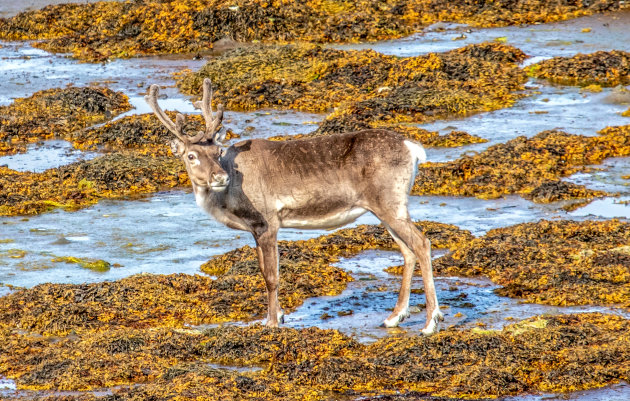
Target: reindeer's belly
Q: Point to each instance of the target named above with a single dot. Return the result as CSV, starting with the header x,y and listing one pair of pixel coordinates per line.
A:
x,y
333,219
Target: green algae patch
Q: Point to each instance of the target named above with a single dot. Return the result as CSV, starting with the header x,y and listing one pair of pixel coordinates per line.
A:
x,y
531,167
566,353
105,30
603,68
56,113
551,262
96,265
84,183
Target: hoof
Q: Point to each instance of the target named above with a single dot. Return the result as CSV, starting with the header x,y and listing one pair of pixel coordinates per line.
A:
x,y
433,326
395,319
280,320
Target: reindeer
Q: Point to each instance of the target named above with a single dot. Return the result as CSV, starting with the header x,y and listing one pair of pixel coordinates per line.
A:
x,y
260,186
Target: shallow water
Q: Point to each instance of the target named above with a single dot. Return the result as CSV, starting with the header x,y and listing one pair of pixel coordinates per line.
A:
x,y
25,70
466,302
549,107
145,236
44,155
608,32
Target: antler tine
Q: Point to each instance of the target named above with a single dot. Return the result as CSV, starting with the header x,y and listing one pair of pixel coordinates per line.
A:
x,y
177,129
212,122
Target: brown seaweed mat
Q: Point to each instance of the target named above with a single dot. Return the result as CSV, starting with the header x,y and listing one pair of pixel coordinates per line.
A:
x,y
129,332
603,68
385,89
531,167
55,113
545,353
551,262
106,30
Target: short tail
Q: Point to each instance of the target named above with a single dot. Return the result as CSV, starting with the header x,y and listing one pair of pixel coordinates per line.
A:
x,y
417,151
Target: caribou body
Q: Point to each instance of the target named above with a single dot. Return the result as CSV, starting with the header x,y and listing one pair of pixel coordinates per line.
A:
x,y
260,186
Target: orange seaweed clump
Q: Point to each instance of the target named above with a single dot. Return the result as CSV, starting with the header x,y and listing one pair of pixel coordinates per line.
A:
x,y
386,89
551,262
604,68
55,113
530,167
83,183
545,353
369,89
105,30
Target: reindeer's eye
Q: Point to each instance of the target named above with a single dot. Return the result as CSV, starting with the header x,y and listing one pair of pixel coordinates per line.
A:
x,y
191,156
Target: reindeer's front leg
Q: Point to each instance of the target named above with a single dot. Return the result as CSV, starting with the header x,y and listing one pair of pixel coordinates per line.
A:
x,y
267,249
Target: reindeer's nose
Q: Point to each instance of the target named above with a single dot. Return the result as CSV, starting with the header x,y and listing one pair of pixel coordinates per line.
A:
x,y
219,181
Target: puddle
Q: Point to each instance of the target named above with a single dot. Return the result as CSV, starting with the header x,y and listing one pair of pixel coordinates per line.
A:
x,y
468,302
44,155
608,32
607,176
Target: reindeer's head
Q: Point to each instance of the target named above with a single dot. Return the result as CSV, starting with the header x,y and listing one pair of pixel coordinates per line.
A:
x,y
202,152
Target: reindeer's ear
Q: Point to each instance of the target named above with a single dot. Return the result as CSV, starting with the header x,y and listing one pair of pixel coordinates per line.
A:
x,y
177,147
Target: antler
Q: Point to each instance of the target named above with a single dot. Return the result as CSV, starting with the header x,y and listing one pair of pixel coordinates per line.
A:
x,y
212,122
176,128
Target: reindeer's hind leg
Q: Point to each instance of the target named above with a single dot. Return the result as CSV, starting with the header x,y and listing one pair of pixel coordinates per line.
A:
x,y
414,245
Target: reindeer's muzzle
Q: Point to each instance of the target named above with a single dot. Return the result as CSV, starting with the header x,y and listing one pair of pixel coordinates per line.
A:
x,y
219,182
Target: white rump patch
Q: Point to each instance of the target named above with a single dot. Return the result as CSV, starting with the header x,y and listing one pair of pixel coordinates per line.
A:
x,y
417,151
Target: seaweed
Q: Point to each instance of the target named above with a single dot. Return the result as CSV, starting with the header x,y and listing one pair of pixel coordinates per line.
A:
x,y
56,113
530,167
141,133
367,89
544,353
84,183
603,68
105,30
551,262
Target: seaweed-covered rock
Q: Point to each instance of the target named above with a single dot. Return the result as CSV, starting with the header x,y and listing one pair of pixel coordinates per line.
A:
x,y
604,68
55,113
83,183
526,166
103,30
551,262
369,89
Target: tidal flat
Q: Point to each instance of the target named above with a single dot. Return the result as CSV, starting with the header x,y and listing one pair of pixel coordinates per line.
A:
x,y
114,285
